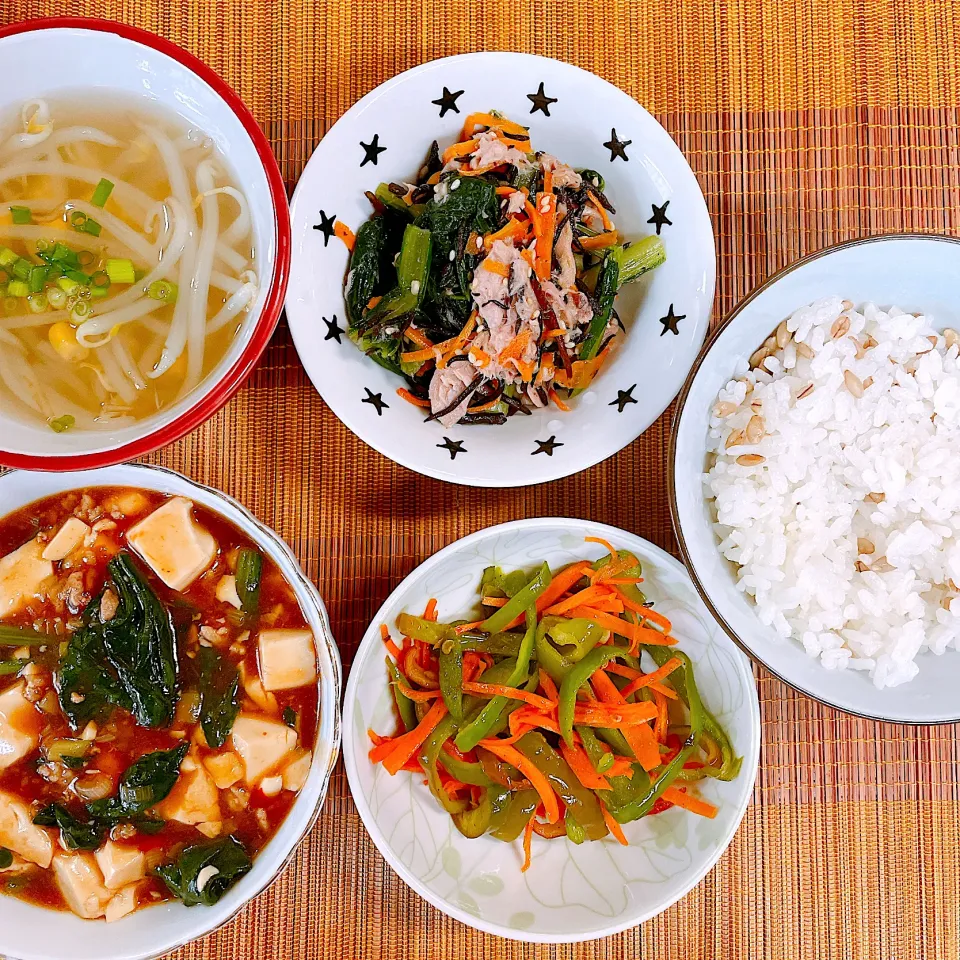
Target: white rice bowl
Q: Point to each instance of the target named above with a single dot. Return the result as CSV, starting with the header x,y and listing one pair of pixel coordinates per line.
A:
x,y
834,474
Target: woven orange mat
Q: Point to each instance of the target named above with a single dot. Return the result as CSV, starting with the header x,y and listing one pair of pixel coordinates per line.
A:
x,y
807,122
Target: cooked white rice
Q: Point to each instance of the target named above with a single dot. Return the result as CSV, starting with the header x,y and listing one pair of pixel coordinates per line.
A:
x,y
836,485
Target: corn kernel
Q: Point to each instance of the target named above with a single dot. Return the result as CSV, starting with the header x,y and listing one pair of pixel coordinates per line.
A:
x,y
63,339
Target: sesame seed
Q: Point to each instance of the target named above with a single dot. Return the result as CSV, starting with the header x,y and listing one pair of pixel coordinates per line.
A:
x,y
453,255
455,184
415,287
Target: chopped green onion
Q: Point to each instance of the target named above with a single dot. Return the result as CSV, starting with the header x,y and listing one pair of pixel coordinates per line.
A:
x,y
38,277
63,254
98,293
249,572
62,424
92,227
102,193
100,279
67,285
78,276
163,290
22,268
56,298
85,258
18,288
43,246
21,215
6,858
77,219
290,716
80,311
7,257
11,666
37,302
121,271
13,635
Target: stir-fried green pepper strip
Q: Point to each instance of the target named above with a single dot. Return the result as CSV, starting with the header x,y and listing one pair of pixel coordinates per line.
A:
x,y
623,790
427,631
451,677
577,635
513,813
429,754
405,706
578,675
519,602
464,770
473,821
496,644
579,800
494,711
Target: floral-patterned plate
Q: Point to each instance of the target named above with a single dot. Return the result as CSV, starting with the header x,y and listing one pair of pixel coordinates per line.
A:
x,y
585,122
570,893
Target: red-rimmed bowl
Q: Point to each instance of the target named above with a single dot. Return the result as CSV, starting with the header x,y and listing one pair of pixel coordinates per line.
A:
x,y
42,58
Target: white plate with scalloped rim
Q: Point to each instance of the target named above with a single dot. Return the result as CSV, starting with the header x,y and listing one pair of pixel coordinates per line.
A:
x,y
385,136
570,893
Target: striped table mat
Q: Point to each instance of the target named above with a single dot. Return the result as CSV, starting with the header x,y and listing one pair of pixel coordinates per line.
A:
x,y
807,122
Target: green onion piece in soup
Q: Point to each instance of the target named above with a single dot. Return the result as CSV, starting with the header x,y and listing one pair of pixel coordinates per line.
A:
x,y
249,573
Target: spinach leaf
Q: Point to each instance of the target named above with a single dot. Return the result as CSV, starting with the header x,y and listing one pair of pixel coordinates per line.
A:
x,y
189,879
129,661
144,784
6,858
75,833
371,264
290,717
219,688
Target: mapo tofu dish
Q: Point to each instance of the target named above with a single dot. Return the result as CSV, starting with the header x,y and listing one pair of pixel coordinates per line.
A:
x,y
158,702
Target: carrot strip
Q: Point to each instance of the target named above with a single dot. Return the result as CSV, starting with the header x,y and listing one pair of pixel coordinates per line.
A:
x,y
372,302
407,745
548,180
560,584
495,266
660,727
635,634
494,601
585,597
511,693
646,679
488,120
527,839
393,649
604,217
560,405
505,191
417,336
538,781
344,233
693,804
611,716
422,695
549,687
478,354
405,394
515,348
621,767
484,406
430,613
547,217
611,549
613,826
467,627
582,768
526,369
646,612
623,581
461,149
512,229
600,241
640,737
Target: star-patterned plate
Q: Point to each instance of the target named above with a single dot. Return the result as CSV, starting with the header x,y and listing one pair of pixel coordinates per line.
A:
x,y
585,122
570,892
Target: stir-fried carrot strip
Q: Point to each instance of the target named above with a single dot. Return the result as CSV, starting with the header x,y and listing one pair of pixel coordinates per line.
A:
x,y
475,120
511,693
495,266
561,583
623,581
405,394
560,405
582,768
461,149
658,619
529,718
515,348
372,302
437,350
641,739
393,649
547,217
585,597
660,727
430,611
615,829
548,180
484,406
546,368
527,840
405,746
512,229
344,233
422,695
505,191
636,635
607,714
648,679
482,357
449,347
526,369
693,804
601,241
613,568
621,767
604,217
494,601
467,627
611,549
549,687
417,336
531,212
538,781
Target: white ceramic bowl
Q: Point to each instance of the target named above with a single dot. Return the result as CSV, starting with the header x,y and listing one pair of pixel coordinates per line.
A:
x,y
401,118
40,58
28,932
570,893
915,272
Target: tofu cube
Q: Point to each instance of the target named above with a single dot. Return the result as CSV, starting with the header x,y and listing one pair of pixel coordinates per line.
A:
x,y
296,772
120,864
19,726
122,903
261,744
173,544
20,835
22,576
225,768
287,658
81,884
65,540
194,798
227,591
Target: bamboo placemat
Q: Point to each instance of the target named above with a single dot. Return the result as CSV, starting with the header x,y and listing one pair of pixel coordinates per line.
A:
x,y
806,122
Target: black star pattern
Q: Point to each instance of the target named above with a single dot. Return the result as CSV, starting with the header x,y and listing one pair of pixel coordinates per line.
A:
x,y
623,398
334,330
326,226
453,447
448,101
375,400
617,148
546,446
541,101
659,217
371,150
670,322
